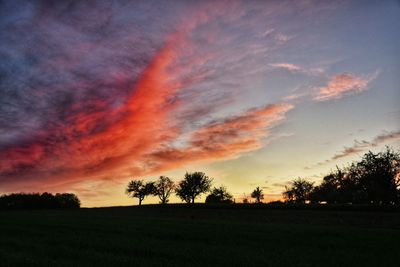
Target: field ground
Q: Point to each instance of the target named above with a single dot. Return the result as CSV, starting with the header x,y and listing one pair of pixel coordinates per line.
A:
x,y
180,235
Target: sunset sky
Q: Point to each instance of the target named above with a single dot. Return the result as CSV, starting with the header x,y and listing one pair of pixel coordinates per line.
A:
x,y
254,93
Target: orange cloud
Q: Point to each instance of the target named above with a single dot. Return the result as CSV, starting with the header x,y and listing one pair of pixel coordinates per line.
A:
x,y
343,84
224,139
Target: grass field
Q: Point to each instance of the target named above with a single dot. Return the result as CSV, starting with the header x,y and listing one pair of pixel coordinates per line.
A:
x,y
179,235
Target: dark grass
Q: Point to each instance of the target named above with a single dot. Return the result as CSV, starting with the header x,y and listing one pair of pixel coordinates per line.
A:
x,y
178,235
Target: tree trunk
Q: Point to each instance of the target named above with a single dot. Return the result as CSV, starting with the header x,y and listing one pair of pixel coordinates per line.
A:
x,y
140,201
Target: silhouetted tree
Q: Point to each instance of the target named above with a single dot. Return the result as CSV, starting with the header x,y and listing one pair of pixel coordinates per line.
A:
x,y
335,188
48,200
219,195
193,185
299,191
373,180
163,188
139,189
67,200
245,198
257,194
377,177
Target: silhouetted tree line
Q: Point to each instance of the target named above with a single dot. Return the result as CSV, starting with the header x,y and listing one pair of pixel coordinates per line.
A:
x,y
192,186
373,180
39,201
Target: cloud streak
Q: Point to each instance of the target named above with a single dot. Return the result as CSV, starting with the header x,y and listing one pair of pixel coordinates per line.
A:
x,y
361,147
287,66
224,139
343,84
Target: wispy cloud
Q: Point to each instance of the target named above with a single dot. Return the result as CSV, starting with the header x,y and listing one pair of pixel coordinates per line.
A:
x,y
225,138
267,33
361,146
295,96
283,38
343,84
287,66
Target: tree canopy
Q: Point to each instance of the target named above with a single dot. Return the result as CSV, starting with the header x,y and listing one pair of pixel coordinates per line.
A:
x,y
193,185
298,191
139,189
373,180
219,195
258,194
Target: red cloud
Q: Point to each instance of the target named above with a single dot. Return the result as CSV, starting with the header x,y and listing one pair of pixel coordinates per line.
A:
x,y
81,145
21,157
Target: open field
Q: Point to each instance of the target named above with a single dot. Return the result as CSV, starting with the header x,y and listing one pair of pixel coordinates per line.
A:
x,y
180,235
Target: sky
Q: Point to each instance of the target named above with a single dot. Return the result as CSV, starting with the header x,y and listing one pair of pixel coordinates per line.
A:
x,y
94,94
